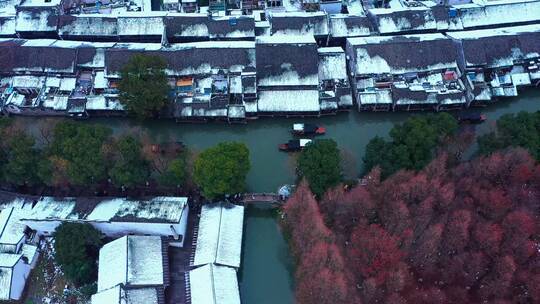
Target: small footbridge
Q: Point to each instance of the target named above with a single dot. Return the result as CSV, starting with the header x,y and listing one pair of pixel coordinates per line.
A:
x,y
262,198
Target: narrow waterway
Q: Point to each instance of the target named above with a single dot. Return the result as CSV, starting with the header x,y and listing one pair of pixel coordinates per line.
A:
x,y
266,275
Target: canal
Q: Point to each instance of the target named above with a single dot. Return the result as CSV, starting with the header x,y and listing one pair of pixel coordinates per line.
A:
x,y
266,274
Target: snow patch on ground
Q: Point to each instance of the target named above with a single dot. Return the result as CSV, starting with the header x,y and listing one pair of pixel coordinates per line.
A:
x,y
47,284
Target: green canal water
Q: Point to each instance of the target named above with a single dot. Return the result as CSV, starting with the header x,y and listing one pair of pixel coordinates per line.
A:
x,y
266,274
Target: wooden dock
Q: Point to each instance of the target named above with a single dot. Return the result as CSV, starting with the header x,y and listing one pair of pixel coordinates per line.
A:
x,y
255,198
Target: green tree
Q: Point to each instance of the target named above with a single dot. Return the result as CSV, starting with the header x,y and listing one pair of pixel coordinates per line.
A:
x,y
222,169
22,159
175,174
319,163
130,168
80,145
412,144
5,122
76,251
513,130
378,154
143,87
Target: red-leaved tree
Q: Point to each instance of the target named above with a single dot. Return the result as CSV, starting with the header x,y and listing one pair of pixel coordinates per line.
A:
x,y
465,234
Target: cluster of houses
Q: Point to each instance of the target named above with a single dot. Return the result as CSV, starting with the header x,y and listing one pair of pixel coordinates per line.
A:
x,y
440,72
208,79
116,19
160,253
239,60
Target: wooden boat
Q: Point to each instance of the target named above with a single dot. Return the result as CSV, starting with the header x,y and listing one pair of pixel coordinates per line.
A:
x,y
307,129
294,145
472,118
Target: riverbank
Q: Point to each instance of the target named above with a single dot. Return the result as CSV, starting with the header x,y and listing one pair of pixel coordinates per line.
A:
x,y
266,276
271,168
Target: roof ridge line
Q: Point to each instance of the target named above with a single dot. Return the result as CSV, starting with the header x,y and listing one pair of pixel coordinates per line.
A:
x,y
220,205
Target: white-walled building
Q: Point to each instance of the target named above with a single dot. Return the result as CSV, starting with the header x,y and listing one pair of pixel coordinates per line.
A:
x,y
217,255
131,271
13,274
23,219
214,284
116,217
17,256
219,239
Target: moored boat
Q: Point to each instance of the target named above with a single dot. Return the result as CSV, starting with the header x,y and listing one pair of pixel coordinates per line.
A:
x,y
294,145
307,129
472,118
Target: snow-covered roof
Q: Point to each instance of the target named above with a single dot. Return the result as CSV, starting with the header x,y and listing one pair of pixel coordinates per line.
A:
x,y
406,96
229,27
53,82
62,56
5,215
451,97
132,260
87,25
18,100
236,111
347,25
38,42
28,81
113,263
48,208
145,260
100,103
166,209
92,55
8,6
491,13
289,76
280,62
289,101
142,296
199,25
29,252
57,102
214,284
332,63
38,3
376,97
5,283
188,58
157,209
100,82
140,25
499,47
9,260
191,25
405,19
220,235
402,54
38,19
330,49
12,229
289,39
36,55
112,295
7,25
68,84
299,23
